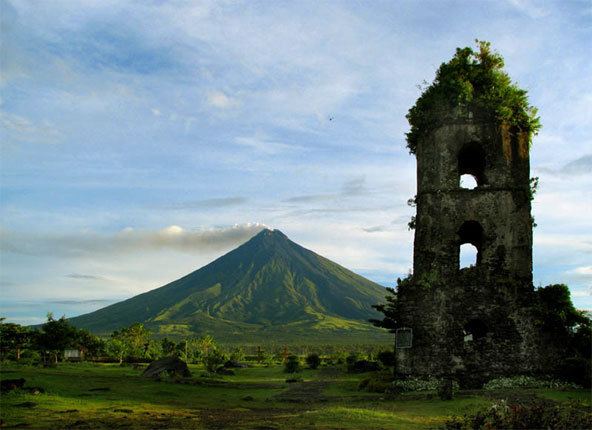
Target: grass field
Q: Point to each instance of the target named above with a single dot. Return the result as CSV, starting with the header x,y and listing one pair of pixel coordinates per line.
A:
x,y
103,396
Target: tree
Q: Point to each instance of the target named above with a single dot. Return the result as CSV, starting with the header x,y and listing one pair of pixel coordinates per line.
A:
x,y
210,356
182,350
567,331
116,348
89,344
292,364
557,314
56,336
387,358
168,347
313,360
206,343
213,359
389,310
260,354
13,338
154,350
237,354
136,339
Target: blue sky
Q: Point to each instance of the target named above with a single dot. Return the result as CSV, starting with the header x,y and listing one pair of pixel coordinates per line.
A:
x,y
141,140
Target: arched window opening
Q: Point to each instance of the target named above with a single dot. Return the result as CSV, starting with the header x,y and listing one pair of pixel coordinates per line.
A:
x,y
468,256
471,161
471,234
475,329
468,182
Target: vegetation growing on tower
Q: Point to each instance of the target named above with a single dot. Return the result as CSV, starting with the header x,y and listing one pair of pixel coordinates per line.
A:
x,y
472,79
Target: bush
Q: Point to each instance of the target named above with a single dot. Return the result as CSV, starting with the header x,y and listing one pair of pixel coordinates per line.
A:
x,y
237,355
341,358
212,360
313,360
292,364
446,389
351,359
387,358
525,382
222,370
269,360
537,414
576,370
380,383
363,366
30,357
415,384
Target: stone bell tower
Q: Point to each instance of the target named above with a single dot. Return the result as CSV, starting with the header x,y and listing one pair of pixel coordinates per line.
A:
x,y
473,322
494,216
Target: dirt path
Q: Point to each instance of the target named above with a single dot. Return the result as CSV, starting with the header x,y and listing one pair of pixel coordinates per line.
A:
x,y
303,392
256,419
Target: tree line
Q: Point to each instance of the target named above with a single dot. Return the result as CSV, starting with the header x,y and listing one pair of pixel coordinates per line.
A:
x,y
48,344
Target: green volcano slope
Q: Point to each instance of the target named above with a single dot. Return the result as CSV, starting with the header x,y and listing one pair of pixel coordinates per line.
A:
x,y
269,288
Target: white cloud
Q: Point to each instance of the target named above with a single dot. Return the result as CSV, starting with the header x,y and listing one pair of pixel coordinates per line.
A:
x,y
581,293
531,8
262,144
220,100
585,270
581,274
574,242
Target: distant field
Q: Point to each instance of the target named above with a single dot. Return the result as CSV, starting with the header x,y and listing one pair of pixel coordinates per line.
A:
x,y
108,396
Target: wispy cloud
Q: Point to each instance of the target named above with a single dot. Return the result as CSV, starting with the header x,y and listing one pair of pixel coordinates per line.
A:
x,y
81,302
342,209
582,293
355,187
127,241
583,272
312,198
266,146
579,166
350,188
216,203
86,277
531,8
375,229
15,128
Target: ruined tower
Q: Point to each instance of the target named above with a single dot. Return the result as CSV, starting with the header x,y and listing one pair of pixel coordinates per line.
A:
x,y
472,322
494,216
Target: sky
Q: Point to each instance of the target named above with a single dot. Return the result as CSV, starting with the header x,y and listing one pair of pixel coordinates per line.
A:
x,y
140,140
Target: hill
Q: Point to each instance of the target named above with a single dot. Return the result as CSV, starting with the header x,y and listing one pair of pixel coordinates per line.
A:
x,y
268,288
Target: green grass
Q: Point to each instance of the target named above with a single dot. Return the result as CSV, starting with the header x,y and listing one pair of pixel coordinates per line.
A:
x,y
328,399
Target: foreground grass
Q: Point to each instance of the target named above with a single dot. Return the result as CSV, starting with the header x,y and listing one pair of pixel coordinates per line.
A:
x,y
109,396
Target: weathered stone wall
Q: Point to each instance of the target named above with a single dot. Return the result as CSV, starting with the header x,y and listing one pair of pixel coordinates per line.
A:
x,y
501,205
439,312
473,323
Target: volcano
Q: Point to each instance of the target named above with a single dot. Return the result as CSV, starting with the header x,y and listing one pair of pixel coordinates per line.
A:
x,y
269,287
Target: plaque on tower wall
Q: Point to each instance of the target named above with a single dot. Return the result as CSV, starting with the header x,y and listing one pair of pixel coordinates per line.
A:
x,y
404,338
